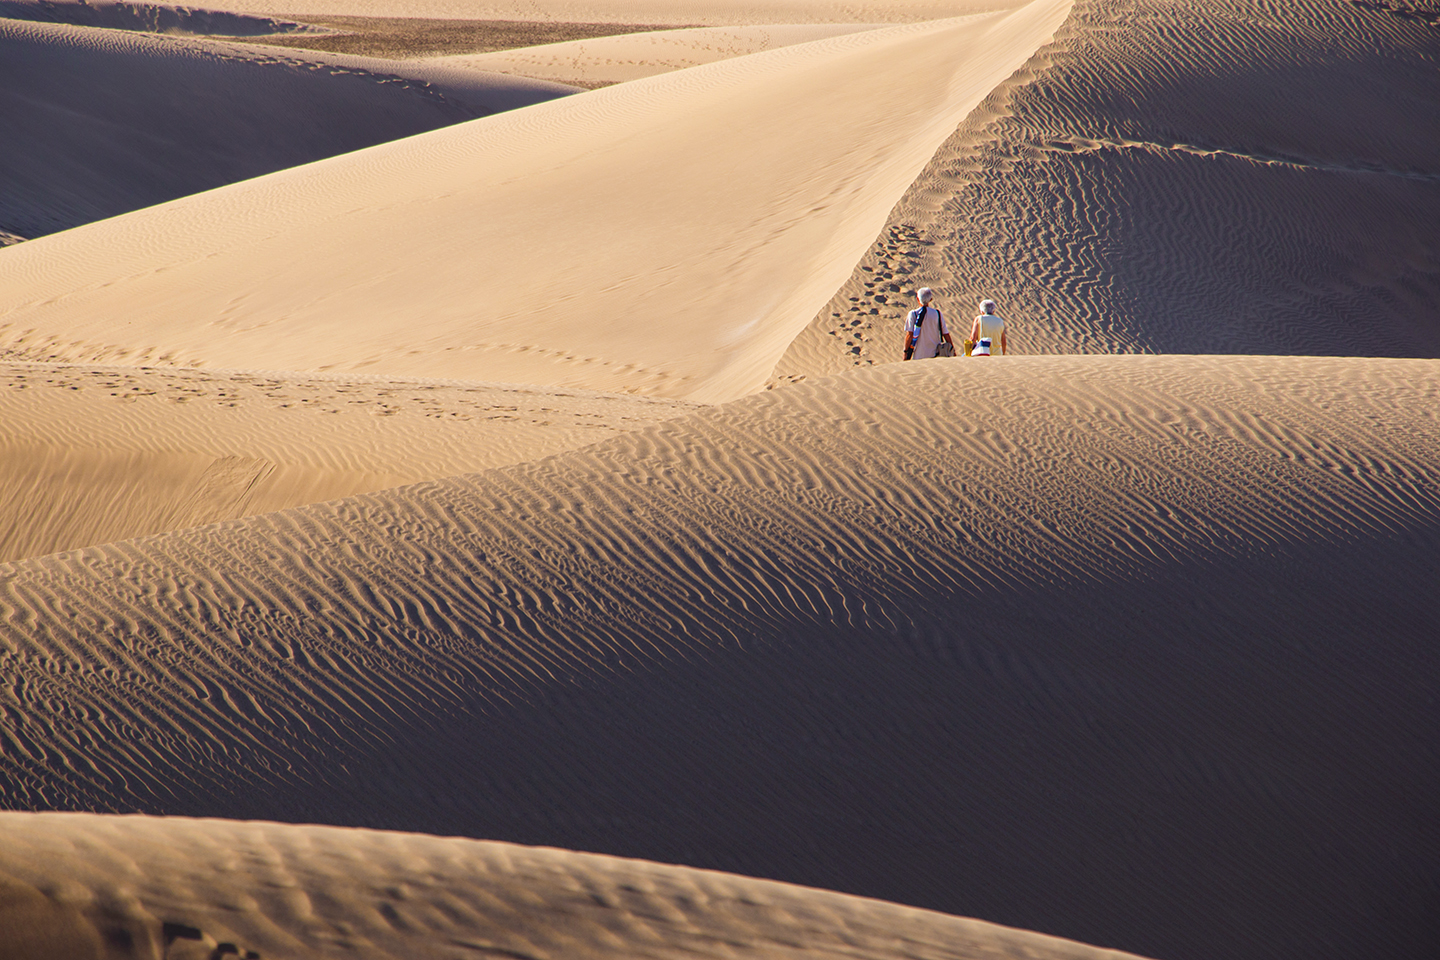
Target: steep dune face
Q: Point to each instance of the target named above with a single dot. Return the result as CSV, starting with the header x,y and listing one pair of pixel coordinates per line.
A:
x,y
1130,650
186,887
1226,176
97,123
668,237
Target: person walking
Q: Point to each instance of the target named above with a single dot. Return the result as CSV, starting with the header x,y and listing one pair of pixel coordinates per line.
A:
x,y
925,328
987,331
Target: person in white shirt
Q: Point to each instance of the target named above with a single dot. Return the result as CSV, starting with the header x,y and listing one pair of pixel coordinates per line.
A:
x,y
925,328
988,326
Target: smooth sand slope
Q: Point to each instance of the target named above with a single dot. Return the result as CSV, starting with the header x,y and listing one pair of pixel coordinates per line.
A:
x,y
94,454
1223,176
300,892
604,60
99,122
1130,650
667,237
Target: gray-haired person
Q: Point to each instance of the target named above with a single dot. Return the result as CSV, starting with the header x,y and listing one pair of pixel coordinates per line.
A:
x,y
925,328
988,331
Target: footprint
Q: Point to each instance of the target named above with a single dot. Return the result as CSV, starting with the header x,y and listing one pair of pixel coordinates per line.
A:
x,y
184,942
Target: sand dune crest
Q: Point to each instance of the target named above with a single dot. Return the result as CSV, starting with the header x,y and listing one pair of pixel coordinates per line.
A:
x,y
278,891
694,259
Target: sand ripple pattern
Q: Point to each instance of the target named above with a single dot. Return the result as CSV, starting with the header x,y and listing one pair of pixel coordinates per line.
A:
x,y
963,638
1149,184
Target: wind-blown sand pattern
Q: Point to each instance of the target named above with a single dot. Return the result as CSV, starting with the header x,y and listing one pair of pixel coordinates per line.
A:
x,y
89,455
1150,183
475,228
151,118
434,491
1001,629
296,892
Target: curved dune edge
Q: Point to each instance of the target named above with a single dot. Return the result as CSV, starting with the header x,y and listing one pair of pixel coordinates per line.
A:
x,y
628,57
296,892
129,138
720,206
95,454
1221,176
1040,618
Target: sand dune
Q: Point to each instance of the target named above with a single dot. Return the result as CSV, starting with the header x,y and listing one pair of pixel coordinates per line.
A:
x,y
669,12
1225,176
605,60
149,118
690,261
90,455
299,892
1135,650
1130,650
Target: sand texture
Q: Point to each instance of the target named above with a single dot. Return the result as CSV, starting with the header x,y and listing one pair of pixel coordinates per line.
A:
x,y
477,229
89,455
182,888
150,118
516,493
1064,643
1222,176
605,60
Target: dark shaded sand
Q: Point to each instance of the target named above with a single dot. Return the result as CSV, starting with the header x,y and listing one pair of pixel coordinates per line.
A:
x,y
149,118
1138,651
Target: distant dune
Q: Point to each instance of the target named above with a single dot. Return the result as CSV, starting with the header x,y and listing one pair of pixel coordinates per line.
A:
x,y
150,118
616,59
1104,647
701,12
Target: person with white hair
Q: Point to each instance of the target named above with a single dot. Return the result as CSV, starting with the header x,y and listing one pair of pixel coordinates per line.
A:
x,y
925,329
987,331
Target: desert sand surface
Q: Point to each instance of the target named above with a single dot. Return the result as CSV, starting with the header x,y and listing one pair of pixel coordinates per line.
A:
x,y
616,59
477,229
94,454
1216,177
544,479
182,888
1066,643
150,118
